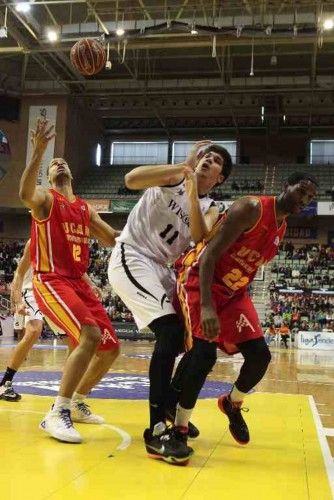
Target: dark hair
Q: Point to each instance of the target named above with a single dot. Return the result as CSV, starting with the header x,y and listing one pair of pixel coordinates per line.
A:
x,y
227,164
301,176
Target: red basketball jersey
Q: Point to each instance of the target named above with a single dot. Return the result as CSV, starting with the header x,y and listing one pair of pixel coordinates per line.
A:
x,y
59,244
237,267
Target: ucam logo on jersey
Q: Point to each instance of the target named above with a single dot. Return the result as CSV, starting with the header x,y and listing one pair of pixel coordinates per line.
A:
x,y
316,341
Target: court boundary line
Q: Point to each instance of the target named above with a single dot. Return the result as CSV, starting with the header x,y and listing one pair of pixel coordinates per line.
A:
x,y
125,436
325,450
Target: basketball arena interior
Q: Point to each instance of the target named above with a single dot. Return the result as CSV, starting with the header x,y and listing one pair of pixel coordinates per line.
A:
x,y
253,76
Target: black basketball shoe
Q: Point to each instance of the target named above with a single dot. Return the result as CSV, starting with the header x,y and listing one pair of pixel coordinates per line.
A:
x,y
193,431
7,392
169,445
238,427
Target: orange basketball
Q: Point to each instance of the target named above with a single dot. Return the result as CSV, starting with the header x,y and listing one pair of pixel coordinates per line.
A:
x,y
88,56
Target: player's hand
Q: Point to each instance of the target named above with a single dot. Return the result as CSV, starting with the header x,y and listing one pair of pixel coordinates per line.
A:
x,y
42,135
210,323
22,309
192,158
190,182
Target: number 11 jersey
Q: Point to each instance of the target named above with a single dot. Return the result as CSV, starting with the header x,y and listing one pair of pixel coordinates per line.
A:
x,y
59,243
158,226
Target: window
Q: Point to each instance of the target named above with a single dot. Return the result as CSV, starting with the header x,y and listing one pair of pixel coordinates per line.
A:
x,y
182,148
139,153
322,152
98,155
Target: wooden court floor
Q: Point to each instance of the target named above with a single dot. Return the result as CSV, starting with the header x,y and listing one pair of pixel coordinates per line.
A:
x,y
291,421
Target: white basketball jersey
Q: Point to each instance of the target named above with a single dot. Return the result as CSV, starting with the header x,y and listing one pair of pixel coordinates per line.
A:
x,y
158,225
27,280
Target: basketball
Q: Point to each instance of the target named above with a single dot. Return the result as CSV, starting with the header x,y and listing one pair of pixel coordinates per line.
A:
x,y
88,56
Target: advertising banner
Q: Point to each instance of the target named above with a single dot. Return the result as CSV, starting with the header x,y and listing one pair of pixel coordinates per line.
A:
x,y
122,206
100,205
44,113
301,233
325,207
316,341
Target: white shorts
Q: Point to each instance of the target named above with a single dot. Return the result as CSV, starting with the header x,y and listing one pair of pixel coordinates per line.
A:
x,y
18,321
145,287
33,310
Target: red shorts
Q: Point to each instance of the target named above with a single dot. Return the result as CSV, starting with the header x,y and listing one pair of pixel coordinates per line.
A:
x,y
71,303
238,318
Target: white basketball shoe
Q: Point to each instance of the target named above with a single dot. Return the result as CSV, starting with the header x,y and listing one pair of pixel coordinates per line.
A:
x,y
81,413
58,424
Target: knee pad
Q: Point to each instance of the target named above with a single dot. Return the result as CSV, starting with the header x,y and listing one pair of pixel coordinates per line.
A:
x,y
260,356
169,334
204,355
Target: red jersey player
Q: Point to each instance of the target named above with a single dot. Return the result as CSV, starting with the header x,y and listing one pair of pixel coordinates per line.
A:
x,y
213,281
62,224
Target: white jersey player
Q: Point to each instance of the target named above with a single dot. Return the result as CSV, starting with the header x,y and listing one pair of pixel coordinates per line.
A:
x,y
174,210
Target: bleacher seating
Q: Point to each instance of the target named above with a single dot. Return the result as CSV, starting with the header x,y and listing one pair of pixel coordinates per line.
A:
x,y
108,181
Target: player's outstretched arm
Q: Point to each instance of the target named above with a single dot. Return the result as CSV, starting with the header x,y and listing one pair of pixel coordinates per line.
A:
x,y
101,230
163,175
34,196
16,286
242,215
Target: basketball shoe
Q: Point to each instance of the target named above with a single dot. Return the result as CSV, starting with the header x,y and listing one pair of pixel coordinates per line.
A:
x,y
193,431
58,424
81,413
169,445
238,427
7,392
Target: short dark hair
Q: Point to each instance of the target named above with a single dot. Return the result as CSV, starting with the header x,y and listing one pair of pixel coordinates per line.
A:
x,y
227,165
301,176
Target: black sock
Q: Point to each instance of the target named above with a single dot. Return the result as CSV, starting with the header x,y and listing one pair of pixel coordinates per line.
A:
x,y
8,375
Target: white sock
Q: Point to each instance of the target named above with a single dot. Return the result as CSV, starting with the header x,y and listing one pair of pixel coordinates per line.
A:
x,y
237,395
182,416
61,402
78,397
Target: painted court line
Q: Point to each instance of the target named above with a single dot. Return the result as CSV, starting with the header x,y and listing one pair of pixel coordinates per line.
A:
x,y
126,438
326,453
329,431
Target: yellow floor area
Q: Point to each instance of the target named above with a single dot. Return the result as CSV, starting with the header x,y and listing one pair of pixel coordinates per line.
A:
x,y
283,461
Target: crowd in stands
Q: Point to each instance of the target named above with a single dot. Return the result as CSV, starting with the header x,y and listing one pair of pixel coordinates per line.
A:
x,y
248,185
308,267
297,311
305,269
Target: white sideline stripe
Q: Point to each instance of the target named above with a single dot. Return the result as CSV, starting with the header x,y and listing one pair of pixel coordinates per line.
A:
x,y
329,431
324,414
126,438
326,453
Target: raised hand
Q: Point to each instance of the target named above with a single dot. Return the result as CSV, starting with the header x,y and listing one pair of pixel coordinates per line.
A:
x,y
210,323
42,135
192,158
190,182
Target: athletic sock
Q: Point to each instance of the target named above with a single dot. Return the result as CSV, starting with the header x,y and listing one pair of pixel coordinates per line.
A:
x,y
182,416
237,395
61,402
8,375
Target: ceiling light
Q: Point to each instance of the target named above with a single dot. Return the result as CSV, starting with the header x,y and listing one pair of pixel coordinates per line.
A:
x,y
52,35
193,29
273,60
328,24
120,32
23,7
